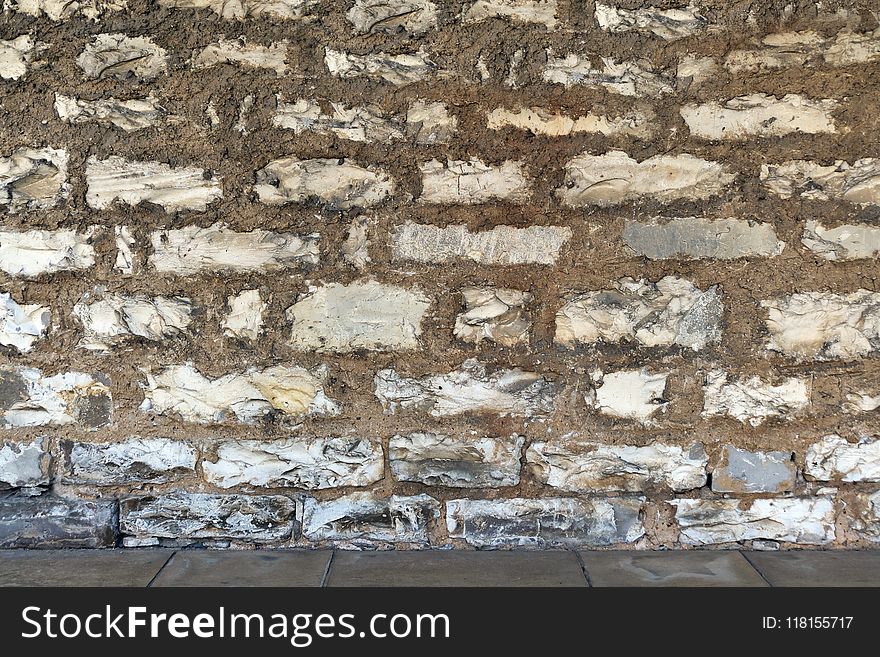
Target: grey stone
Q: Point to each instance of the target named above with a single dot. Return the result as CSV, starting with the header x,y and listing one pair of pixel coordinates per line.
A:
x,y
365,516
742,471
202,516
456,461
246,568
132,461
48,521
456,568
24,464
545,522
818,568
691,568
689,238
80,567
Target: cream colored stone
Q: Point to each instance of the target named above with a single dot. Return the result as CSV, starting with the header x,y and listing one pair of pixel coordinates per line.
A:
x,y
21,324
760,115
399,70
121,56
129,115
523,11
857,183
227,51
472,182
337,182
245,317
33,179
623,78
753,399
363,123
32,253
630,394
498,315
391,16
835,459
554,124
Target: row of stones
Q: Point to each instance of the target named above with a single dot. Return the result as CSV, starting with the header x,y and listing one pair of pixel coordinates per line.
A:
x,y
37,179
181,518
284,392
454,461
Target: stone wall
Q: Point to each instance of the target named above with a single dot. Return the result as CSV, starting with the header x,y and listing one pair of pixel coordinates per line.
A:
x,y
478,273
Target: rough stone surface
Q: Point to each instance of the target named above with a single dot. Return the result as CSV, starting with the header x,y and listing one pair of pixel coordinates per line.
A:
x,y
760,115
691,238
59,10
194,517
800,49
128,115
754,400
671,312
540,121
250,55
28,398
743,471
16,56
32,253
364,516
857,183
48,521
493,314
835,459
430,122
364,123
630,395
307,463
503,245
618,77
245,318
229,9
584,467
21,324
456,461
547,522
119,56
392,16
469,389
280,390
24,464
525,11
361,315
33,179
399,70
845,242
614,178
868,522
808,521
824,326
668,24
472,181
130,462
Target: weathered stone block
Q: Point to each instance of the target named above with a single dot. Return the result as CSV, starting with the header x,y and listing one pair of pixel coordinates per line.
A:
x,y
540,121
629,394
522,11
399,70
16,56
742,471
668,24
32,253
47,521
30,399
240,9
495,314
472,182
336,182
835,459
364,123
845,242
33,179
128,115
250,55
132,461
857,183
363,516
121,57
691,238
392,16
623,78
21,324
760,115
754,400
24,464
245,318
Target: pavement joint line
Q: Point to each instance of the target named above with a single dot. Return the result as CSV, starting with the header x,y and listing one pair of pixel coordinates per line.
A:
x,y
584,571
326,575
755,567
159,572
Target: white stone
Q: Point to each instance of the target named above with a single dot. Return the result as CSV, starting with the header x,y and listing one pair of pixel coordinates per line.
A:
x,y
31,253
59,10
760,115
33,179
469,389
16,56
192,250
523,11
245,317
615,177
495,314
630,394
249,396
230,51
668,24
368,517
624,78
541,121
430,122
861,402
361,315
174,188
754,400
823,325
585,467
110,319
130,462
456,461
24,464
545,522
121,56
807,521
229,9
694,70
472,181
411,16
125,256
671,312
21,324
307,463
129,115
67,398
835,459
845,242
857,183
687,238
399,70
503,245
336,182
801,49
356,248
362,123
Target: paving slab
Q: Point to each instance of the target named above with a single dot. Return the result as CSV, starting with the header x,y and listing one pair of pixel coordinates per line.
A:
x,y
850,568
456,569
80,567
246,568
706,569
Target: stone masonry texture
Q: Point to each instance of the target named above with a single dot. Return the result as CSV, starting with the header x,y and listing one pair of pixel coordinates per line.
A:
x,y
458,274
